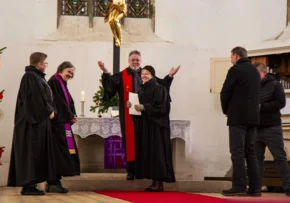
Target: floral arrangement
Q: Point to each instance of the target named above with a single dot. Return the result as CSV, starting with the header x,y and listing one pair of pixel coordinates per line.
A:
x,y
101,104
1,151
1,95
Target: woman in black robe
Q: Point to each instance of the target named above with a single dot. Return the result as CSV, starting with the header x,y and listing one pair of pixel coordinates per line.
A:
x,y
152,133
67,159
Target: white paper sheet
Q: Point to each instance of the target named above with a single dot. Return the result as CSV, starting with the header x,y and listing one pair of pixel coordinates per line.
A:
x,y
134,100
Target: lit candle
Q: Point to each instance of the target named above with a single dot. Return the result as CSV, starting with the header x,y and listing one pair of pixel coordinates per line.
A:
x,y
83,95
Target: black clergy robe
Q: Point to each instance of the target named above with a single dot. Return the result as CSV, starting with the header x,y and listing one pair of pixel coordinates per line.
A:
x,y
32,154
67,164
152,134
116,84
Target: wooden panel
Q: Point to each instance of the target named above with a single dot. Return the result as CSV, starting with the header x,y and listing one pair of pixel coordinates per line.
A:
x,y
271,175
262,59
219,69
283,66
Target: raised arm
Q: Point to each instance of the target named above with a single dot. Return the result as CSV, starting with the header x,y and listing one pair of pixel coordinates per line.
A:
x,y
167,80
110,83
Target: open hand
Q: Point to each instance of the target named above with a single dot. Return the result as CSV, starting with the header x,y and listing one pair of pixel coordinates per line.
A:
x,y
173,71
102,66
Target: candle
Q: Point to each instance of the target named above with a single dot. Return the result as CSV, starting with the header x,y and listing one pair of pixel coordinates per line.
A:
x,y
83,95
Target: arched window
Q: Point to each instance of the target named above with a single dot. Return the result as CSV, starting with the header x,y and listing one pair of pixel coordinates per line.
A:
x,y
135,8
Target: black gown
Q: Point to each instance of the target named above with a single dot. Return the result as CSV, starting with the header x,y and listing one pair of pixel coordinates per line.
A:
x,y
67,164
152,135
114,84
32,154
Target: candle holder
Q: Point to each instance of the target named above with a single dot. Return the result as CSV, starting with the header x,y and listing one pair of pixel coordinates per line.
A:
x,y
82,109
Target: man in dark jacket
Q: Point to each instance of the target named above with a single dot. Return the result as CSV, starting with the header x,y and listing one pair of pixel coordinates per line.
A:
x,y
272,100
240,103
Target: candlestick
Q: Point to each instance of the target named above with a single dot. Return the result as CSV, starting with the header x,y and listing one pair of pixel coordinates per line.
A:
x,y
82,109
83,95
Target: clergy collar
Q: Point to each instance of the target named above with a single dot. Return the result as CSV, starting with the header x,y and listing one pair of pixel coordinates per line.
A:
x,y
35,70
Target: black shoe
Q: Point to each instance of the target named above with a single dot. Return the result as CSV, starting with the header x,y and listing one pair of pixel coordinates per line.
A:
x,y
233,192
157,187
31,191
152,185
130,176
254,193
55,189
287,192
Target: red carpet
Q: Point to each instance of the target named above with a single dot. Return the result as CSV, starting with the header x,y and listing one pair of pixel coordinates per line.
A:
x,y
181,197
165,197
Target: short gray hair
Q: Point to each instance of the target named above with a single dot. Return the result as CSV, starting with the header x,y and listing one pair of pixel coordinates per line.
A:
x,y
260,66
240,51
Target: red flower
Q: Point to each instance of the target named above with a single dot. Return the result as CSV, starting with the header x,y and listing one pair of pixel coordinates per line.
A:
x,y
1,95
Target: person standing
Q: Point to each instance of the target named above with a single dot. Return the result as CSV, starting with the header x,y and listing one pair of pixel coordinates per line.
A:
x,y
240,103
152,133
32,155
270,133
126,81
67,158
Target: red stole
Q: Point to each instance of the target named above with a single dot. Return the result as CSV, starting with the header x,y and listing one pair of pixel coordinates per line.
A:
x,y
129,125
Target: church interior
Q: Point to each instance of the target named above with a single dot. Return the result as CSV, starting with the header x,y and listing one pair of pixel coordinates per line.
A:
x,y
196,36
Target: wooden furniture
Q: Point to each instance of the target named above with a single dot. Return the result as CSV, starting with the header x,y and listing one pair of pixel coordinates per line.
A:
x,y
271,178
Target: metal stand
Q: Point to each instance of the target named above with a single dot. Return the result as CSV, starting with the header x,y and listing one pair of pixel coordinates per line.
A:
x,y
82,109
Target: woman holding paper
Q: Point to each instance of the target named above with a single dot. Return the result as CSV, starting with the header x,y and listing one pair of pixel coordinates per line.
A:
x,y
67,158
152,133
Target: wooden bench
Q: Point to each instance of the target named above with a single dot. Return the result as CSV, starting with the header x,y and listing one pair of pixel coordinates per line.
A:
x,y
271,177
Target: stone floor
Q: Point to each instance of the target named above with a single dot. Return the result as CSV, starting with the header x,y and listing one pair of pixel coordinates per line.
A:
x,y
12,195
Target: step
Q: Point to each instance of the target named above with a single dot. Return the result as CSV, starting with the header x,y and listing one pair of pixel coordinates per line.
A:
x,y
117,181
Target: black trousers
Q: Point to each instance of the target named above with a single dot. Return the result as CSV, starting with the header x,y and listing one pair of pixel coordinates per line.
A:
x,y
242,148
272,137
130,167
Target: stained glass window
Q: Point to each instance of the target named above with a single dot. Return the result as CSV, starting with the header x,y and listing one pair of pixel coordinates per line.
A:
x,y
138,8
75,7
135,8
100,6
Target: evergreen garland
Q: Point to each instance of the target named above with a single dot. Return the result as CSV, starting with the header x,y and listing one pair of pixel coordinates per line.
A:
x,y
101,104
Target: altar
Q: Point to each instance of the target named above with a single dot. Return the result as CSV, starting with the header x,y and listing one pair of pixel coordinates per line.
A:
x,y
100,143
